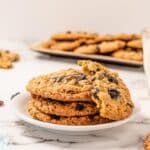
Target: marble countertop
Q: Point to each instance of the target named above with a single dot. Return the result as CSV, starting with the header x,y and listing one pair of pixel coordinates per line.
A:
x,y
23,136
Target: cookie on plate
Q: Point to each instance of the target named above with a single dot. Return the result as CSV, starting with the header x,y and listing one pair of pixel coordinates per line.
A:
x,y
64,85
129,54
73,36
147,142
66,45
109,93
69,109
135,44
123,36
87,49
107,47
83,120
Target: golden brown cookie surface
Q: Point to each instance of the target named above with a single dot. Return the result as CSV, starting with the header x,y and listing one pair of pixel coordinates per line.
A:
x,y
69,109
129,54
135,44
65,85
83,120
106,47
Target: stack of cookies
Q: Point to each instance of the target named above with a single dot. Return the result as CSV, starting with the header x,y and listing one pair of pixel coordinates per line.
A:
x,y
7,58
123,46
87,96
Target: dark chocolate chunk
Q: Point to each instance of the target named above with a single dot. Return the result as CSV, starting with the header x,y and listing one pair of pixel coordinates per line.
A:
x,y
79,107
114,93
112,79
55,117
81,77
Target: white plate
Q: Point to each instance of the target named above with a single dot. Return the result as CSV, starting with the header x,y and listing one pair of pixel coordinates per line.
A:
x,y
19,106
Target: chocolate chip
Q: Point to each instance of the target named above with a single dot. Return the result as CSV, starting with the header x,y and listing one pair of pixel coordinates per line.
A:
x,y
114,93
95,91
59,79
55,117
79,107
68,32
1,103
49,100
112,79
81,77
7,51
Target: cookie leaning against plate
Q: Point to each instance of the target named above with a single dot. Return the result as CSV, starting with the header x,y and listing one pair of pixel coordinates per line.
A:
x,y
69,109
128,54
110,94
147,142
64,85
83,120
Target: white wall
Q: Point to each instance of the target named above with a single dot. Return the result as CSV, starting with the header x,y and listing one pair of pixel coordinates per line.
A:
x,y
37,19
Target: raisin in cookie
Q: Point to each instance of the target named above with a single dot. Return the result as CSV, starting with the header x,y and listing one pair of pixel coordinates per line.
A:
x,y
128,54
65,85
107,47
147,142
135,44
83,120
87,49
73,36
69,109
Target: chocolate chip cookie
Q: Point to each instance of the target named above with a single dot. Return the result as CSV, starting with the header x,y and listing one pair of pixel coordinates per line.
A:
x,y
69,109
65,85
107,47
109,93
7,58
135,44
83,120
87,49
129,54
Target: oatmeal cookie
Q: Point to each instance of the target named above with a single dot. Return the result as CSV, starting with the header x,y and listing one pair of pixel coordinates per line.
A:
x,y
135,44
129,54
123,36
83,120
87,49
69,109
73,36
147,142
106,47
64,85
109,92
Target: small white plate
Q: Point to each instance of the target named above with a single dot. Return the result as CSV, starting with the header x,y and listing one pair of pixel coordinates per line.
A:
x,y
19,106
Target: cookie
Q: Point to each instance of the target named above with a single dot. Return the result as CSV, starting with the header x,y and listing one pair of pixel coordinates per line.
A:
x,y
107,47
128,54
73,36
147,142
87,49
64,85
135,44
69,109
5,64
136,36
123,36
66,45
109,92
83,120
6,59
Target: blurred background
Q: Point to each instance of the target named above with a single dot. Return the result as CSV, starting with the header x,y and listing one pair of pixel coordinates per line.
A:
x,y
37,19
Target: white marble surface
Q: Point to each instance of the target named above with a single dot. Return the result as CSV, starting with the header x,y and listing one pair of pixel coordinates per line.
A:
x,y
23,136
